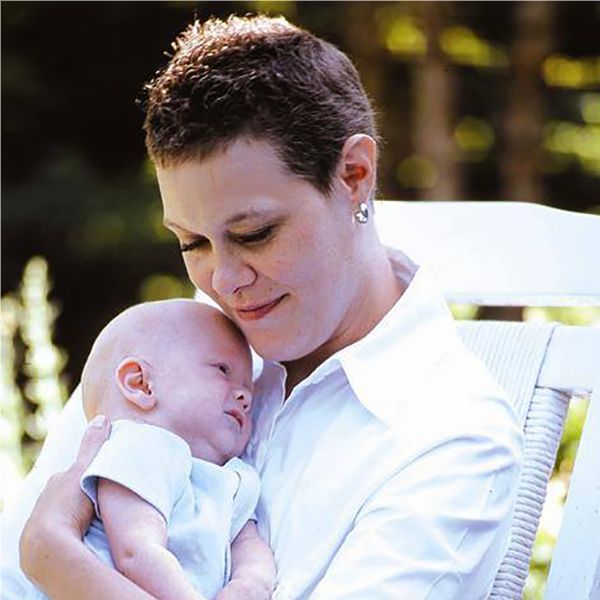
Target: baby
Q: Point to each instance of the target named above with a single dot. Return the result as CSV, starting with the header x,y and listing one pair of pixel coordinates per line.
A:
x,y
169,493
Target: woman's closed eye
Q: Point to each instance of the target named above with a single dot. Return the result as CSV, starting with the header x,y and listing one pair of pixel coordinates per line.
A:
x,y
249,239
193,245
254,237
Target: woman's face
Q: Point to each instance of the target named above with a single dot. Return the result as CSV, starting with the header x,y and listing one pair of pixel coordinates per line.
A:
x,y
271,250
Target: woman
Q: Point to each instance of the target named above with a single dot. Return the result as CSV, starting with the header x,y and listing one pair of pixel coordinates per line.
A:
x,y
388,457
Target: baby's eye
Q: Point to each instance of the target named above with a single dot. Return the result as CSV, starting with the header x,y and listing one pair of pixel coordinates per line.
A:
x,y
224,368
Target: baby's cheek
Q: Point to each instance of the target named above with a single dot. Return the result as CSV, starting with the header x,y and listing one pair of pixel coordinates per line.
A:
x,y
244,438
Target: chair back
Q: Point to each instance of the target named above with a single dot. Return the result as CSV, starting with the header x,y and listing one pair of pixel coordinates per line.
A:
x,y
514,354
520,254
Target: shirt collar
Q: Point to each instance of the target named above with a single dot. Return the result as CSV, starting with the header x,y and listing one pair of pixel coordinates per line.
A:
x,y
387,367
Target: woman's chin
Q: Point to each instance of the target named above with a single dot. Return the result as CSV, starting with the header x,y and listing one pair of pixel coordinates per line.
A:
x,y
278,350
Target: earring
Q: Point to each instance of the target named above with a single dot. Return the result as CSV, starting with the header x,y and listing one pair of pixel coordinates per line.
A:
x,y
362,214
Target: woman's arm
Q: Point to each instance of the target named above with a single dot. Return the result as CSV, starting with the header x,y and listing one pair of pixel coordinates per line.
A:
x,y
438,529
65,569
52,552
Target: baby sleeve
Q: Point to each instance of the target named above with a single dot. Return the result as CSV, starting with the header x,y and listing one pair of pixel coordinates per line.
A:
x,y
150,461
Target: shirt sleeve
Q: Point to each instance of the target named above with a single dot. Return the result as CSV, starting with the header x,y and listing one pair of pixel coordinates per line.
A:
x,y
437,530
150,461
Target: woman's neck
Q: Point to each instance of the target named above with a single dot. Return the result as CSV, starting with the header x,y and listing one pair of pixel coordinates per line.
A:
x,y
375,300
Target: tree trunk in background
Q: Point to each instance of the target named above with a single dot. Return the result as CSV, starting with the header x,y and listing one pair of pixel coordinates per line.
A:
x,y
433,107
358,28
524,117
359,31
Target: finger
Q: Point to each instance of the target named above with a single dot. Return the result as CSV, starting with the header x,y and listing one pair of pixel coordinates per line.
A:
x,y
96,433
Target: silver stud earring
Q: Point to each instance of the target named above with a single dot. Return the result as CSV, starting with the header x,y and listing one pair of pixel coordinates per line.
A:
x,y
362,214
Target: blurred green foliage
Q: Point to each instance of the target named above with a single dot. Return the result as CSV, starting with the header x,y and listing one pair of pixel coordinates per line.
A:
x,y
78,189
32,385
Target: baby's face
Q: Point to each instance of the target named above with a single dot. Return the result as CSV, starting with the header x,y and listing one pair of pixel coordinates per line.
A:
x,y
206,387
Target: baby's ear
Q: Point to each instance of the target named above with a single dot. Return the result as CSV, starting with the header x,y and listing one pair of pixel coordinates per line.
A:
x,y
133,379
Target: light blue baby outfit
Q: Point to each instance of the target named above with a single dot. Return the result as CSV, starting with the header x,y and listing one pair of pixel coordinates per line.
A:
x,y
204,505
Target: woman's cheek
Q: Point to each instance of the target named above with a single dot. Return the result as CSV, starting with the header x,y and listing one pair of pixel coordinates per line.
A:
x,y
197,275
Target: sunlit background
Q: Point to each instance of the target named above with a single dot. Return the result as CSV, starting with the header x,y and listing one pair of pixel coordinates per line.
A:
x,y
476,100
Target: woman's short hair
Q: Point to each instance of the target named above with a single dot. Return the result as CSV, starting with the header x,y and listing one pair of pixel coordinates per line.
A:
x,y
259,77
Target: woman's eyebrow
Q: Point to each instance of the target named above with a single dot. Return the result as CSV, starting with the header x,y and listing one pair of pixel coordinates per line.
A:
x,y
241,217
250,214
172,225
234,219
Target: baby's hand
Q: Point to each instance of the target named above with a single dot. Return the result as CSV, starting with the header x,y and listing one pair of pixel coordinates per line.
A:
x,y
253,570
243,589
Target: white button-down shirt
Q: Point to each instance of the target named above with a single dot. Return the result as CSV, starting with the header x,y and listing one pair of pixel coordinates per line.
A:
x,y
389,473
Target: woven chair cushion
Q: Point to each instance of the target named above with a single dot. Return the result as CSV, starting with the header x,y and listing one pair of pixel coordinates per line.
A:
x,y
514,352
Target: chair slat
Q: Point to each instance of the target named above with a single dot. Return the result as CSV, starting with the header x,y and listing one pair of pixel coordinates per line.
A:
x,y
572,360
575,568
499,253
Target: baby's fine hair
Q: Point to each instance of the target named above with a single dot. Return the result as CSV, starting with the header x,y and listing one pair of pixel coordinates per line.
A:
x,y
259,77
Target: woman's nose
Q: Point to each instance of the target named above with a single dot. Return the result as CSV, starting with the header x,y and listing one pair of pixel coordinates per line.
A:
x,y
230,274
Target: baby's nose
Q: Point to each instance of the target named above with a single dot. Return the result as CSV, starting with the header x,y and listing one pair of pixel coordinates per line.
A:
x,y
244,398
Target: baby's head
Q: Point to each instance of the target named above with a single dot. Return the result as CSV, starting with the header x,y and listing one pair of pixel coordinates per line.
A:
x,y
177,364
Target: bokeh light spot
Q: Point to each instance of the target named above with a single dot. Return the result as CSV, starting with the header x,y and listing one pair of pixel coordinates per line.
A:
x,y
417,172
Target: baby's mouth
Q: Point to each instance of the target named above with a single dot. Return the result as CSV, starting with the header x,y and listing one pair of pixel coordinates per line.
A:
x,y
238,416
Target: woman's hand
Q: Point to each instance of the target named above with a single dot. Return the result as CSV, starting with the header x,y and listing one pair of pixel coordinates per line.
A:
x,y
62,508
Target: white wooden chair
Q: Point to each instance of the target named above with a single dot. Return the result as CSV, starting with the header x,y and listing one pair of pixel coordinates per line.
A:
x,y
518,254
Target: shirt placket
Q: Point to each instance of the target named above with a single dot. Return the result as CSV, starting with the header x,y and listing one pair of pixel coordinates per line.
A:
x,y
265,425
279,406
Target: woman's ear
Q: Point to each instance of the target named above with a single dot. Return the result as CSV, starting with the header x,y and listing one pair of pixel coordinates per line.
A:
x,y
358,167
133,379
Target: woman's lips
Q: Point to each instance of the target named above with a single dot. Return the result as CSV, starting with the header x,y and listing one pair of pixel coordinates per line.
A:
x,y
258,311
